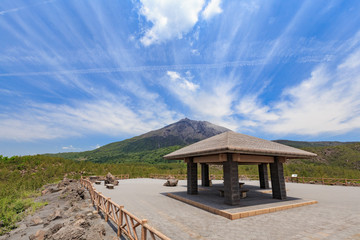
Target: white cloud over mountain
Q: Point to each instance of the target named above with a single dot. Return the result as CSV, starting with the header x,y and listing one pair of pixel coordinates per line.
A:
x,y
174,18
213,8
111,116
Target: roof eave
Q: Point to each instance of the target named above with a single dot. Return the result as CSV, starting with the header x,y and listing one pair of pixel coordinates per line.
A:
x,y
229,150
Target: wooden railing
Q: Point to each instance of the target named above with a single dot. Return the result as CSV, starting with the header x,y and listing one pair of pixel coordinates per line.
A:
x,y
310,180
165,176
101,178
122,176
212,177
126,222
249,177
324,181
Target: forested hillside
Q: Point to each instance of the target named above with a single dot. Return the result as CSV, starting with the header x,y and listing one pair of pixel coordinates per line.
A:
x,y
152,146
119,153
303,144
345,156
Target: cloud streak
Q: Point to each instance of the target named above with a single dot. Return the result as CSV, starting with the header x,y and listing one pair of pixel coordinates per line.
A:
x,y
212,101
70,147
51,121
327,102
4,12
161,68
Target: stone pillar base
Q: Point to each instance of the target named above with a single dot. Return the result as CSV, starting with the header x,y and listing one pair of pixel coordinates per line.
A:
x,y
231,181
205,181
192,187
263,176
277,179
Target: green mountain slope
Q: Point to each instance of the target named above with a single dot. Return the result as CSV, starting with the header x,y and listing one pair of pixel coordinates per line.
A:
x,y
151,146
345,156
303,144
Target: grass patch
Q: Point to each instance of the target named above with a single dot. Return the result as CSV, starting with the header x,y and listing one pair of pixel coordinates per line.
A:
x,y
13,210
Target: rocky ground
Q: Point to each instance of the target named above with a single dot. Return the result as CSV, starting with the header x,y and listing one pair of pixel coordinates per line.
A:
x,y
68,215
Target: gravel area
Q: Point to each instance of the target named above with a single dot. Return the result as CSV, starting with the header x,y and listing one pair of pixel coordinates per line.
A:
x,y
336,216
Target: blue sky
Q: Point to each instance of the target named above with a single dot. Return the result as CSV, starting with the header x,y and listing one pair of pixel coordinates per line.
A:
x,y
76,75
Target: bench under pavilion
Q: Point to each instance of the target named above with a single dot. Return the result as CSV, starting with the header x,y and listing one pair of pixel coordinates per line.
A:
x,y
231,149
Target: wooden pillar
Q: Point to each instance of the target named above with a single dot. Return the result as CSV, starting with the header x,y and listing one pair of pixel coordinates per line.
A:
x,y
205,181
263,175
192,187
231,181
277,179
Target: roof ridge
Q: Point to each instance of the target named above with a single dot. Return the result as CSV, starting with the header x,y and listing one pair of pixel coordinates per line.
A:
x,y
227,139
238,142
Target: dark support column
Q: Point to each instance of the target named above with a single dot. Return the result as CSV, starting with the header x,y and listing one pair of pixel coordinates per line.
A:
x,y
205,175
231,181
263,176
277,179
192,187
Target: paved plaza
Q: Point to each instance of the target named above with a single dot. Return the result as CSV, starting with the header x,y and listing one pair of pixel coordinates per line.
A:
x,y
335,216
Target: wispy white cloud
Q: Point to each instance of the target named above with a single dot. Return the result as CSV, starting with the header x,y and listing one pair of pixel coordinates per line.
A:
x,y
254,111
279,45
212,102
110,117
170,19
24,7
8,92
213,8
70,147
195,52
182,82
352,62
222,65
10,10
173,19
327,102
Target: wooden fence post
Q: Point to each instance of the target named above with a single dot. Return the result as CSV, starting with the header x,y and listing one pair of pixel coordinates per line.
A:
x,y
143,229
92,195
98,202
120,221
107,210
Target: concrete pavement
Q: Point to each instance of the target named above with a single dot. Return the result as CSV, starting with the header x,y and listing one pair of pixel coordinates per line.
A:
x,y
336,216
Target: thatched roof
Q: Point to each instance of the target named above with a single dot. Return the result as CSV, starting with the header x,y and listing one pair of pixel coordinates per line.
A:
x,y
232,142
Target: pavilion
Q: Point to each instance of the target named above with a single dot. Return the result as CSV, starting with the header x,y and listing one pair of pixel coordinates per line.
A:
x,y
231,149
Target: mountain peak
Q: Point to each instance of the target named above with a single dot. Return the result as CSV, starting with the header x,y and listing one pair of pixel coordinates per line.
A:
x,y
187,131
151,146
